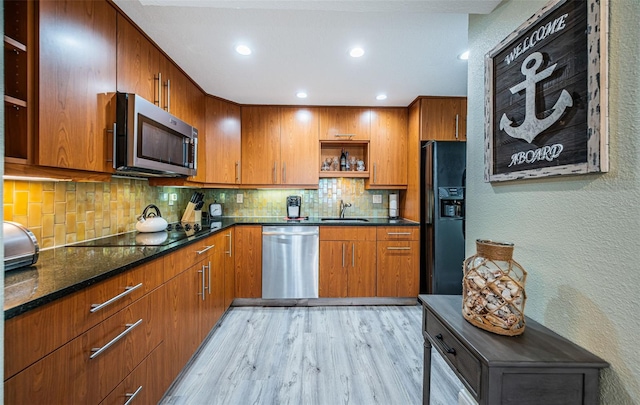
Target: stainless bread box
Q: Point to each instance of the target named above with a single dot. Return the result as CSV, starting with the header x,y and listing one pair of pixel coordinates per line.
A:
x,y
20,246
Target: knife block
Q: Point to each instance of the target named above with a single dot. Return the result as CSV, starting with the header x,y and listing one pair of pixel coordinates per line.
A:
x,y
192,217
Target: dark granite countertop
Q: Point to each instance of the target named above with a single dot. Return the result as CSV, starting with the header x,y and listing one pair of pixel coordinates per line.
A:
x,y
67,269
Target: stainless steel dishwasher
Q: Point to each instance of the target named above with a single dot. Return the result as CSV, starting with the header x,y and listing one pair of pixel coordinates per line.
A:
x,y
290,261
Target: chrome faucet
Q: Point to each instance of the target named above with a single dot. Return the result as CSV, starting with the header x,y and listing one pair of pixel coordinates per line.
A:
x,y
343,207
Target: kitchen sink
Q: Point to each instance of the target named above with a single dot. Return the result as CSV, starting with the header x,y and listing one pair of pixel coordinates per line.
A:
x,y
344,220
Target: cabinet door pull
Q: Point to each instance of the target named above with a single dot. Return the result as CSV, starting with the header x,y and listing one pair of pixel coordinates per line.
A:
x,y
275,179
398,233
345,135
457,121
131,396
398,248
115,148
204,250
284,172
448,349
230,240
237,171
168,95
209,284
343,255
99,350
127,291
375,173
353,255
203,282
159,88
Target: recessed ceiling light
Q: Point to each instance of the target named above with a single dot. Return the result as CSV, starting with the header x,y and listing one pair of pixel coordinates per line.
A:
x,y
356,52
464,55
381,97
243,50
301,94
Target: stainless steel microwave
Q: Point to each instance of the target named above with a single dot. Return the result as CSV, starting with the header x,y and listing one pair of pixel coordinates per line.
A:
x,y
148,141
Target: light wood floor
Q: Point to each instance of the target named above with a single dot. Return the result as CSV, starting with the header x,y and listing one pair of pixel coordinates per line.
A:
x,y
308,355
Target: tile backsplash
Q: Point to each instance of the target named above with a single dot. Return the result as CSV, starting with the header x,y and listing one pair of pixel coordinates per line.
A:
x,y
64,212
59,213
323,202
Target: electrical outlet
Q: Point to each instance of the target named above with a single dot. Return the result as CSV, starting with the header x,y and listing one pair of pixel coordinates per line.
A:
x,y
377,198
240,198
173,197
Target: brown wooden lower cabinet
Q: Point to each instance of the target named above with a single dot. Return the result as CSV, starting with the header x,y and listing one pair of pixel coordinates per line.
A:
x,y
145,385
78,374
347,262
229,268
182,330
398,264
51,326
398,261
248,240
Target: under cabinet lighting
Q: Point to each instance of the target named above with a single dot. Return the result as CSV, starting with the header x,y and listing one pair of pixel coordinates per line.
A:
x,y
28,178
464,55
301,94
381,97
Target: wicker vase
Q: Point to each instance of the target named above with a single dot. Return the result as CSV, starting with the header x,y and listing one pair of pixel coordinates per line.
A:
x,y
493,293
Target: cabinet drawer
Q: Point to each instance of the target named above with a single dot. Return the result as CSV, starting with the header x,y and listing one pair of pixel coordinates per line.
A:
x,y
177,262
398,233
145,385
70,376
52,325
463,362
347,233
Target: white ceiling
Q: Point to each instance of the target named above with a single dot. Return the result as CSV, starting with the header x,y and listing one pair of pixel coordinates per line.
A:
x,y
411,47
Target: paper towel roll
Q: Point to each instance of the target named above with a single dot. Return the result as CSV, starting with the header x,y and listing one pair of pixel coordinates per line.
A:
x,y
393,205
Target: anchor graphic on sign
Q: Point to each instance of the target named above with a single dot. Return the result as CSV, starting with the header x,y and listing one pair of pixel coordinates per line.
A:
x,y
533,126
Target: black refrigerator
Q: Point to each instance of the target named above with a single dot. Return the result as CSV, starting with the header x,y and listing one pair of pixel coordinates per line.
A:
x,y
443,217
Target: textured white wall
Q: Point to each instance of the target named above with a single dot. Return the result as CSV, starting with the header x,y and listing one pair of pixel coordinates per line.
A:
x,y
578,237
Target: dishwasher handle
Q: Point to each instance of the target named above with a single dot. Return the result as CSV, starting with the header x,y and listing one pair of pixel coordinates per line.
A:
x,y
290,233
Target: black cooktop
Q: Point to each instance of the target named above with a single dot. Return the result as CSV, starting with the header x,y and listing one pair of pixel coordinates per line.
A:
x,y
175,232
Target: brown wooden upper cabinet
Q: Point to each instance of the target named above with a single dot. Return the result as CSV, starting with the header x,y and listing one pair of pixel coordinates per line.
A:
x,y
299,147
19,45
443,118
388,148
143,69
345,124
222,142
76,70
279,146
139,62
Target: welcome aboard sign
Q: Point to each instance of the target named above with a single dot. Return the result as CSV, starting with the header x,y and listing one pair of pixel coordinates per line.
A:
x,y
546,86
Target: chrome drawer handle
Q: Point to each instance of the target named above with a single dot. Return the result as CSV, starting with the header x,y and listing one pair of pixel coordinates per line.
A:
x,y
204,250
398,233
131,396
230,239
99,350
344,135
127,291
398,248
448,349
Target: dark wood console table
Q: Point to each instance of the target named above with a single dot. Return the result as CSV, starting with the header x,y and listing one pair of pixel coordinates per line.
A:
x,y
537,367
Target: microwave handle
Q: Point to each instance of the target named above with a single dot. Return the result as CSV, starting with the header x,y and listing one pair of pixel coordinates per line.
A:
x,y
192,161
115,145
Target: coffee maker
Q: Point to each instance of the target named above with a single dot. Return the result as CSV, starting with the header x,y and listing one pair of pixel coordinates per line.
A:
x,y
294,203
